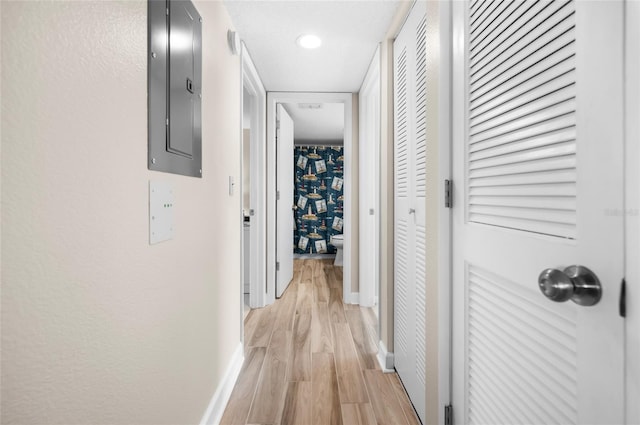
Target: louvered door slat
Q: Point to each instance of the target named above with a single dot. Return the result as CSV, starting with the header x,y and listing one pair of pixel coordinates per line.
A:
x,y
503,83
519,32
561,87
523,124
550,41
504,89
526,134
500,312
401,286
525,59
421,110
488,15
542,140
529,35
525,381
402,153
517,10
567,203
562,108
542,370
481,43
525,109
564,148
421,304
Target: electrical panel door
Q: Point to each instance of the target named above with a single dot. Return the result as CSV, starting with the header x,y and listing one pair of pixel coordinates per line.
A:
x,y
175,87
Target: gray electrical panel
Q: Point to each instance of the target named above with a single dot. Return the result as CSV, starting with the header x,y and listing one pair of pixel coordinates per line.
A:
x,y
175,87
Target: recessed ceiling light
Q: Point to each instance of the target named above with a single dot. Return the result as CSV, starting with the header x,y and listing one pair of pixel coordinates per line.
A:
x,y
309,41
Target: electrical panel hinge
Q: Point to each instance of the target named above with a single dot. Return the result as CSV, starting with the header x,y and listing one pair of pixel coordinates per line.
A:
x,y
623,299
447,194
448,413
277,266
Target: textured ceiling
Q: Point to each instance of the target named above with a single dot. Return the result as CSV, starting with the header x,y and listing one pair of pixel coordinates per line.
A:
x,y
350,32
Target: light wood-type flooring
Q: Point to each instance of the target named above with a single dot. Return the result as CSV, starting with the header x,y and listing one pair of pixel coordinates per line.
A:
x,y
311,359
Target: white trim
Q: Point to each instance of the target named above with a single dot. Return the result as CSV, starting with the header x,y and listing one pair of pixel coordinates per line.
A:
x,y
445,223
251,81
294,97
352,298
369,135
314,256
220,398
632,206
385,359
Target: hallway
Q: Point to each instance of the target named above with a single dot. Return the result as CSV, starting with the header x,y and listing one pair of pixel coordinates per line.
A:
x,y
310,359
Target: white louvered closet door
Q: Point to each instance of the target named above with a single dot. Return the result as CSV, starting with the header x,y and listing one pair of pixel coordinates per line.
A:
x,y
410,160
538,179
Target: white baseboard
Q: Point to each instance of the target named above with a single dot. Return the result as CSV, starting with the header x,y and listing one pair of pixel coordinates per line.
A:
x,y
353,298
218,402
314,256
385,358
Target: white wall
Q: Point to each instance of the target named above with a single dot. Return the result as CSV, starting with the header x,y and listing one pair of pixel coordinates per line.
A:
x,y
246,169
97,325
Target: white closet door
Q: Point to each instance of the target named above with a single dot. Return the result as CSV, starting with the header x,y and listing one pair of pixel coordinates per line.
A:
x,y
538,150
409,196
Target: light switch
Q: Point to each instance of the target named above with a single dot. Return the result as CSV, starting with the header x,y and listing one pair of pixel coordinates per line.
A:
x,y
161,204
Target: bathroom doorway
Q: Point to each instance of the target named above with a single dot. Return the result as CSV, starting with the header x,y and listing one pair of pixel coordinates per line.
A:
x,y
301,104
318,187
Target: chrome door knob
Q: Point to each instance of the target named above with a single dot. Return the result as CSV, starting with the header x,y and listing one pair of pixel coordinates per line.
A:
x,y
575,283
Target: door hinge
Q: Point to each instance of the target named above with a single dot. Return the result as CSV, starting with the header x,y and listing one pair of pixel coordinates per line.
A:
x,y
277,266
448,413
448,202
278,125
623,299
277,195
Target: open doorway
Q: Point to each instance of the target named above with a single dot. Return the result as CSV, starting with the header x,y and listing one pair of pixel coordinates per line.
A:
x,y
276,257
318,187
253,208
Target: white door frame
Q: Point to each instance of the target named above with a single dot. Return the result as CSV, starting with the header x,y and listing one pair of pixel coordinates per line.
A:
x,y
296,97
632,209
369,135
445,223
252,83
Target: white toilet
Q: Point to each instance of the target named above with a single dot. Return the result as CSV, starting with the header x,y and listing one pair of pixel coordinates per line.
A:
x,y
338,242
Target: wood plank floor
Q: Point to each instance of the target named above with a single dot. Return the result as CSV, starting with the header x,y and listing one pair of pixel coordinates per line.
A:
x,y
311,360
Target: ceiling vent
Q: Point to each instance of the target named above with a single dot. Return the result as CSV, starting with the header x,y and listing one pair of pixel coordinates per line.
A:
x,y
310,105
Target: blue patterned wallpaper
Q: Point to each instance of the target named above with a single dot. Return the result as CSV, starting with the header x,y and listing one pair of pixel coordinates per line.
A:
x,y
319,198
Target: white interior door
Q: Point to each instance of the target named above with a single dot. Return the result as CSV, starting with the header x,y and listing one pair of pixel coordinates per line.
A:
x,y
538,178
284,200
410,202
